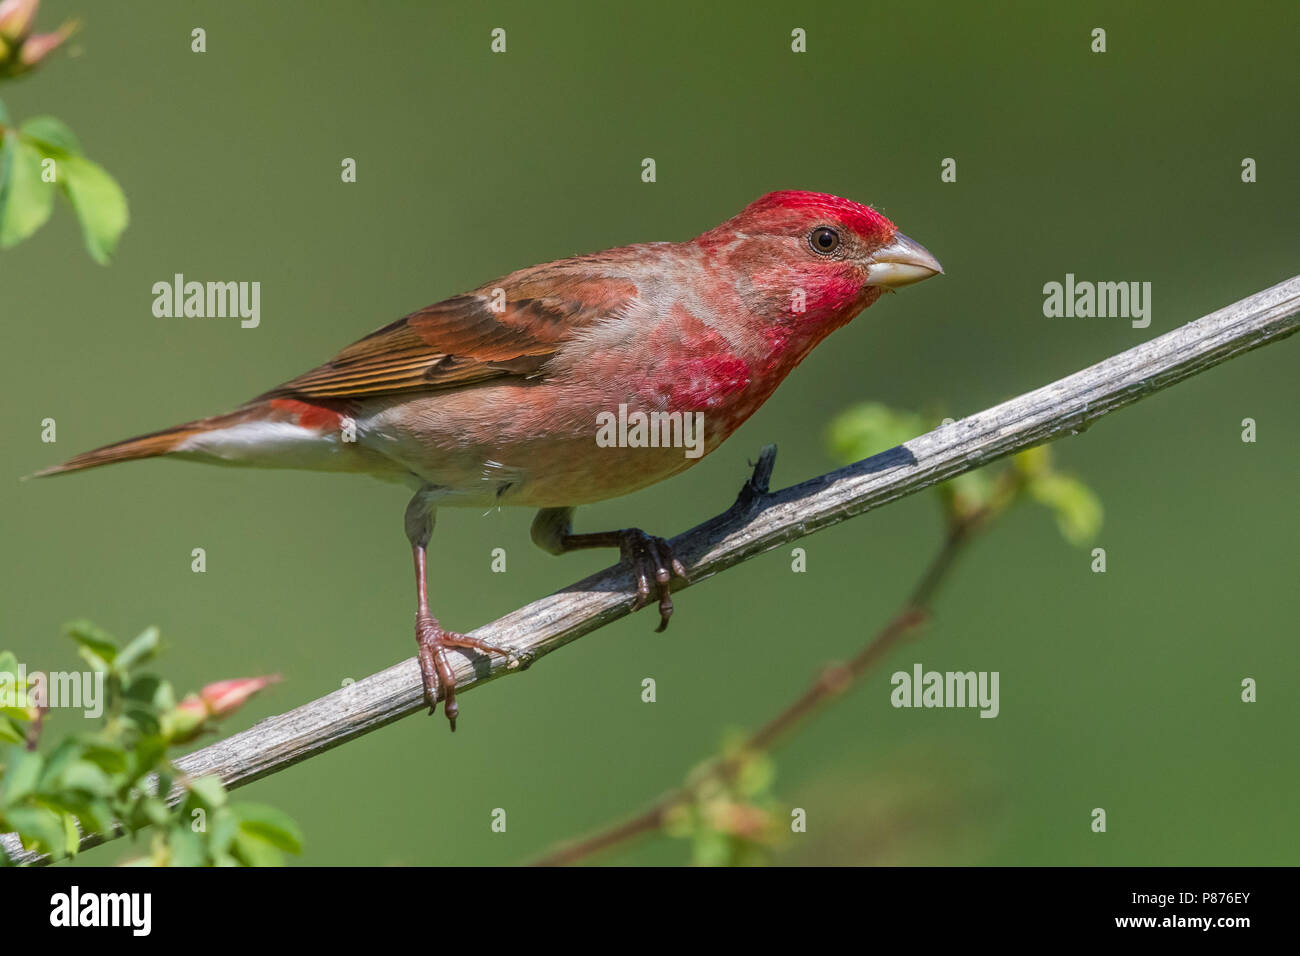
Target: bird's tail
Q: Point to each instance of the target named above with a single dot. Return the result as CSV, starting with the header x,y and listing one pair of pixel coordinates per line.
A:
x,y
151,445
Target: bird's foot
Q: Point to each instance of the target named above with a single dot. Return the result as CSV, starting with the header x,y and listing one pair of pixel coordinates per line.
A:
x,y
651,559
435,668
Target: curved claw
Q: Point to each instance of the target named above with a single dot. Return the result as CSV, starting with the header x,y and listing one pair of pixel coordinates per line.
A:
x,y
435,667
651,557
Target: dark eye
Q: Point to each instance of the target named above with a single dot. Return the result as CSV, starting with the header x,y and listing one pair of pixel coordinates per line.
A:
x,y
824,240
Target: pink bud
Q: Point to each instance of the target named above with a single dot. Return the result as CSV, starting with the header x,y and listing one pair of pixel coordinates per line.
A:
x,y
741,820
41,45
192,706
186,720
16,18
226,696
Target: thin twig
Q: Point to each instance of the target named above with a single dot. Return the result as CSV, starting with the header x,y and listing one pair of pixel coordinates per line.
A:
x,y
759,522
832,682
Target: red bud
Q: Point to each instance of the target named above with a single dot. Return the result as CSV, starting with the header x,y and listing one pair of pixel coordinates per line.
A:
x,y
226,696
16,18
40,45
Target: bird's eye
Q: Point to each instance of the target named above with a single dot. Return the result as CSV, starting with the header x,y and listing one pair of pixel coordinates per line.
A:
x,y
824,240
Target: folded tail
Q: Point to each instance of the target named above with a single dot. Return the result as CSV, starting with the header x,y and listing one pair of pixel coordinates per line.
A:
x,y
146,446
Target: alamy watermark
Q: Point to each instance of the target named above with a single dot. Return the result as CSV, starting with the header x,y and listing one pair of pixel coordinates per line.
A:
x,y
1102,300
208,300
651,430
83,690
922,688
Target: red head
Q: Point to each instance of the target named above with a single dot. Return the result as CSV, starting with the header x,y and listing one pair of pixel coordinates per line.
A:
x,y
812,260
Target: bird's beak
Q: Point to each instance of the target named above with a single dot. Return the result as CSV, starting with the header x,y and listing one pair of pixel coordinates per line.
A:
x,y
901,263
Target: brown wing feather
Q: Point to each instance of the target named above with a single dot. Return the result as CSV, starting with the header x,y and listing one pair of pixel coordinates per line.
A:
x,y
462,341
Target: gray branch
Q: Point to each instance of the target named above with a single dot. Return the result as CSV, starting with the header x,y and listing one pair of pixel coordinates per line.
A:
x,y
760,521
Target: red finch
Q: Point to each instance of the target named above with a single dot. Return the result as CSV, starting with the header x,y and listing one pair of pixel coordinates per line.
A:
x,y
568,382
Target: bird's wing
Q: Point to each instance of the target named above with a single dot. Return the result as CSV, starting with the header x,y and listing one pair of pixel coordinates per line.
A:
x,y
464,340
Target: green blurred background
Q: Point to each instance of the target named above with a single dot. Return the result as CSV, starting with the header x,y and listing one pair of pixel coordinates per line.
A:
x,y
1118,690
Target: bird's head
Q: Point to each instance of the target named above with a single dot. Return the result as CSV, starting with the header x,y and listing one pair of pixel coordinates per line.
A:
x,y
812,261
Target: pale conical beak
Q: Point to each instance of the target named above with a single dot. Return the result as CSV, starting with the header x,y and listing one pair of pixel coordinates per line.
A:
x,y
902,262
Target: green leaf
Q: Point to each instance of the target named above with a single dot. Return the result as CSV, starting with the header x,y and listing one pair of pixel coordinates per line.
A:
x,y
1078,510
94,644
143,718
53,133
149,690
11,732
99,203
12,692
756,775
95,816
145,756
4,114
710,847
870,428
86,776
208,790
252,850
186,846
28,200
110,759
61,758
223,826
968,492
267,823
71,834
138,650
22,770
155,810
39,828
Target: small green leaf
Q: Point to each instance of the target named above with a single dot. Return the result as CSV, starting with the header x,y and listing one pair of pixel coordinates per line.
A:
x,y
251,850
28,200
155,810
94,644
267,823
208,790
99,203
95,816
53,133
11,731
870,428
186,845
1033,462
86,776
145,756
14,700
710,847
71,834
1078,510
138,650
967,493
756,776
147,689
39,828
110,759
62,757
223,825
22,771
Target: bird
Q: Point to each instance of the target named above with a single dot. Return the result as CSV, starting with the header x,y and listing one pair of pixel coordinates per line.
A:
x,y
500,396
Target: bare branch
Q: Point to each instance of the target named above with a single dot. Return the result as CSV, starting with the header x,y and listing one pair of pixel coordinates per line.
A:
x,y
760,521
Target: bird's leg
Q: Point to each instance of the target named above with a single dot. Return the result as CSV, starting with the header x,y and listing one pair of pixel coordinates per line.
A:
x,y
431,639
650,558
